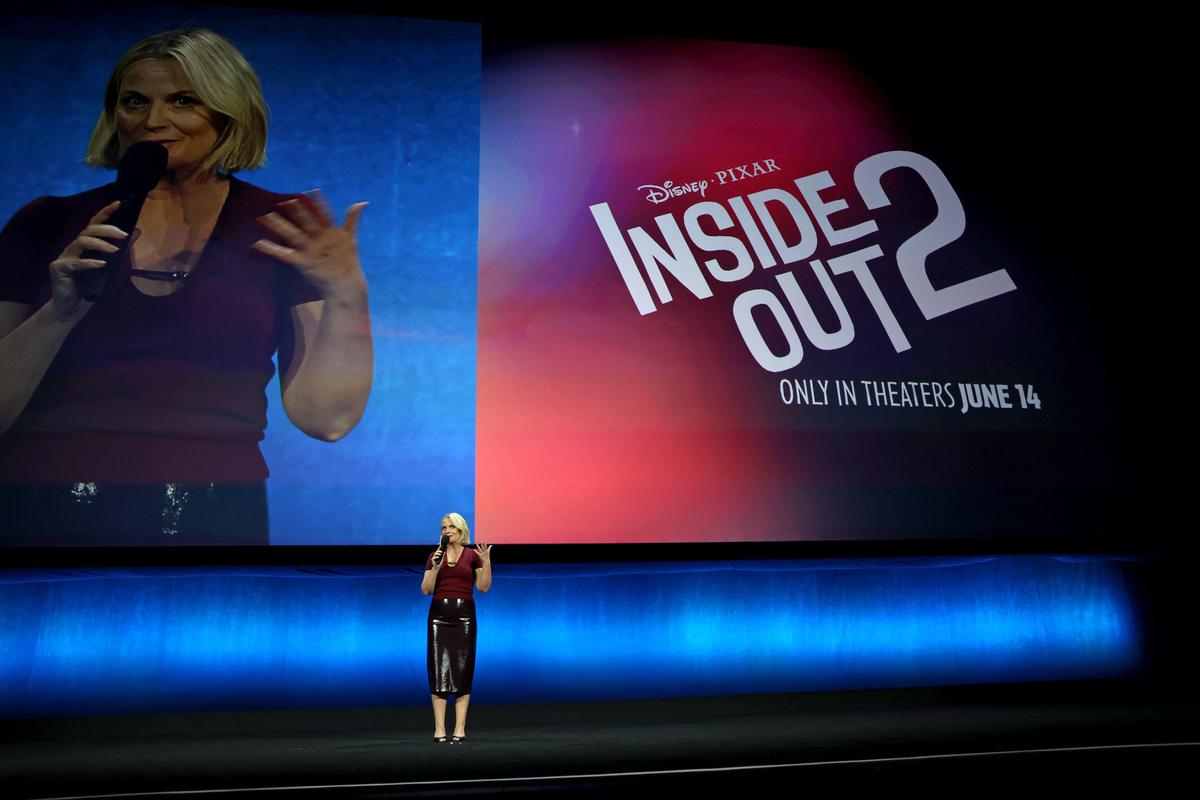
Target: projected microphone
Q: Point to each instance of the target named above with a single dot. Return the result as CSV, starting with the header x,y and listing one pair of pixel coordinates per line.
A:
x,y
140,170
442,544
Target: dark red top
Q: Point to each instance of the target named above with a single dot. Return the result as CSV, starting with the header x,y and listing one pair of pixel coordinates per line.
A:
x,y
456,582
153,389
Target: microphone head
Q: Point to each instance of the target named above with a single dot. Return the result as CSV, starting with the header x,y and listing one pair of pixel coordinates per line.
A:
x,y
141,168
445,540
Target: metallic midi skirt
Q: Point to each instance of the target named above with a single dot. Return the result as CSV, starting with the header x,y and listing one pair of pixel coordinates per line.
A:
x,y
451,646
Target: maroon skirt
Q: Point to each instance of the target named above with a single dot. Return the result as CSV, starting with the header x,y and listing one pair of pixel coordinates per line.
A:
x,y
450,651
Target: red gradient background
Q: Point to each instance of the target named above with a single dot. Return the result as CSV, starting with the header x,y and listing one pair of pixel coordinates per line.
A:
x,y
591,418
597,424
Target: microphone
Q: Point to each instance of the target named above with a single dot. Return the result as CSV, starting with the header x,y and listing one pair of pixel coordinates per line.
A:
x,y
442,544
140,170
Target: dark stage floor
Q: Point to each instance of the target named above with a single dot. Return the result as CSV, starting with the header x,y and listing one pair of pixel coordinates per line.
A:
x,y
1084,734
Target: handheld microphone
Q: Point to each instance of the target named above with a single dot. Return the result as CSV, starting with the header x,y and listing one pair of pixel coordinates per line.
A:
x,y
442,544
140,170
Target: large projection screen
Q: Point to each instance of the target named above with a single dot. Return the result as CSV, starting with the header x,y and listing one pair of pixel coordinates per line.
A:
x,y
635,290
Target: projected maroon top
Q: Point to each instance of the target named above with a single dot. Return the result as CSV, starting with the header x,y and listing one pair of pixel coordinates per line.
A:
x,y
150,389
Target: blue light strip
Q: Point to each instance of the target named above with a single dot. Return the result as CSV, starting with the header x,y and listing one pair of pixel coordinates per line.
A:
x,y
94,641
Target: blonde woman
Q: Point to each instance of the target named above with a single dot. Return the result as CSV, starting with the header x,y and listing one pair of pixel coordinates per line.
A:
x,y
451,575
136,419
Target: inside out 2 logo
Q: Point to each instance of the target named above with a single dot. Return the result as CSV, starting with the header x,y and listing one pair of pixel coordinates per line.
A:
x,y
758,242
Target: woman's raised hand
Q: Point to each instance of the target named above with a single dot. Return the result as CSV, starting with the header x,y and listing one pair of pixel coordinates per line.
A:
x,y
65,298
325,253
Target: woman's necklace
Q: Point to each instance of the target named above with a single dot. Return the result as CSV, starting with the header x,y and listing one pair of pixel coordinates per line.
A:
x,y
178,228
160,275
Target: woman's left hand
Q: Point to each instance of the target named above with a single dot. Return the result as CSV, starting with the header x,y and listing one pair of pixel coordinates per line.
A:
x,y
485,552
324,253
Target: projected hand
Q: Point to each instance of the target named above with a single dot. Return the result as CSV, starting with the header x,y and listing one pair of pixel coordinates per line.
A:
x,y
64,291
324,253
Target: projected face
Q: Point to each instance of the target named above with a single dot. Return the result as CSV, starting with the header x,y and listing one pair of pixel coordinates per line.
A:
x,y
156,103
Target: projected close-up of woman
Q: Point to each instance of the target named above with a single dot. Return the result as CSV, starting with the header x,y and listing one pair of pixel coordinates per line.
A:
x,y
452,572
132,410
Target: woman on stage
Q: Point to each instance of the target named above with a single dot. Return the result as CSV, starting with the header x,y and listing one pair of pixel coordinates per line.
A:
x,y
135,419
450,576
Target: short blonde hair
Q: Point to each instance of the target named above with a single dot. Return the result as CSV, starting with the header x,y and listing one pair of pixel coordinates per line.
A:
x,y
223,80
457,521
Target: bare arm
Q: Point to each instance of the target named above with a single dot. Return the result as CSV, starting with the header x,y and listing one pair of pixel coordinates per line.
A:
x,y
326,387
483,575
29,338
30,342
429,580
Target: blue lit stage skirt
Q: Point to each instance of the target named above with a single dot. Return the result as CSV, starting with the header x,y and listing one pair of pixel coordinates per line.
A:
x,y
451,646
